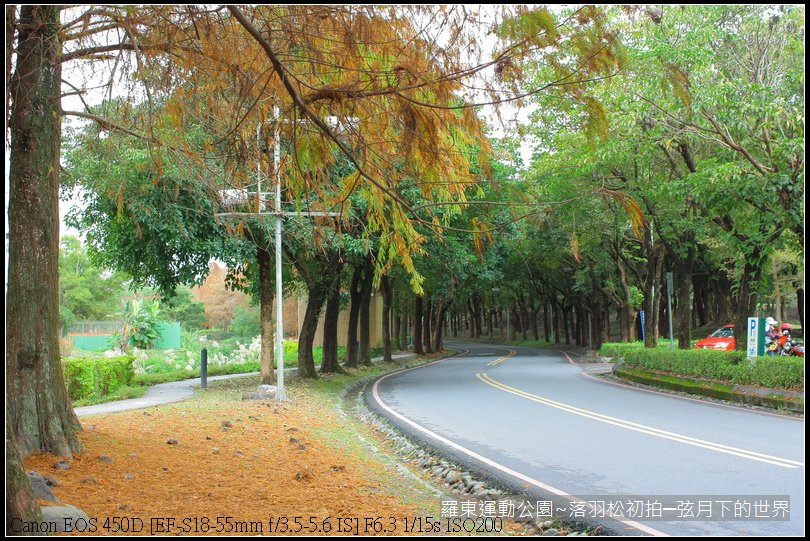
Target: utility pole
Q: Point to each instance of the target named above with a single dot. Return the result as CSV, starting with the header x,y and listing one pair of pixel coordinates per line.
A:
x,y
279,214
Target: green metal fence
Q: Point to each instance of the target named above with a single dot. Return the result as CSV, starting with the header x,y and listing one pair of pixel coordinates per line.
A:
x,y
100,335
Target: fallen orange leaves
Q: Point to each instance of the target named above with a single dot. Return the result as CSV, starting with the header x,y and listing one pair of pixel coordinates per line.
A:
x,y
251,461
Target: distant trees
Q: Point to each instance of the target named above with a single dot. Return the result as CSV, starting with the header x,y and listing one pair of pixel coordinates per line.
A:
x,y
86,290
220,302
184,308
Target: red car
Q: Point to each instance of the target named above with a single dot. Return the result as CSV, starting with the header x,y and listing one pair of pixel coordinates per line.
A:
x,y
722,338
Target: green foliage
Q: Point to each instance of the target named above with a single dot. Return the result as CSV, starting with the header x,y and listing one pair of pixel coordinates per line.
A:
x,y
246,321
618,349
86,290
636,297
141,323
726,366
96,377
66,317
183,308
230,356
145,213
709,169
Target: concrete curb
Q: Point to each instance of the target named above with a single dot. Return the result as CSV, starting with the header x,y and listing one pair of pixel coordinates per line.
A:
x,y
770,398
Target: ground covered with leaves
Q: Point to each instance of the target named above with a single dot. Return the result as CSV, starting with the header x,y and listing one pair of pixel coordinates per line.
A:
x,y
216,464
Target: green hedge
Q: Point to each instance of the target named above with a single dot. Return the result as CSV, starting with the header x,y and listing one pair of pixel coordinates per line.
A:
x,y
96,377
617,349
731,366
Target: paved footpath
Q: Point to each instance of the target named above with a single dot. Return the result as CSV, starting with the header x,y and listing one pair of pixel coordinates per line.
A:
x,y
175,391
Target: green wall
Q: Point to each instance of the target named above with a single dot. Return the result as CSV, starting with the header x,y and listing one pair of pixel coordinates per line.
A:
x,y
92,342
170,339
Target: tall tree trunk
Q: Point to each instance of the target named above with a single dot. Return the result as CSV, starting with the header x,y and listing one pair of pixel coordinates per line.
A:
x,y
546,323
441,309
627,314
683,279
427,326
566,325
11,24
267,374
556,321
355,294
663,321
417,325
624,324
655,262
403,330
746,303
524,320
387,294
800,305
475,312
779,299
329,364
397,324
316,295
364,351
21,507
700,296
39,409
513,322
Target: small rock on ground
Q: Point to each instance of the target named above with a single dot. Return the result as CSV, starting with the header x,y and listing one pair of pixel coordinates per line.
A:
x,y
66,517
40,487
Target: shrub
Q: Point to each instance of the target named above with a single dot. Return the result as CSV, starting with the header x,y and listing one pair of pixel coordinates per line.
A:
x,y
617,349
142,323
87,377
729,366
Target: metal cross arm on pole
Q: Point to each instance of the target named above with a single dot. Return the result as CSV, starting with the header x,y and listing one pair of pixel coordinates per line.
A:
x,y
274,213
237,197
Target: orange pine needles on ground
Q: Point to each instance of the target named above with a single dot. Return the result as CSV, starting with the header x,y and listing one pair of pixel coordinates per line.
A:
x,y
251,461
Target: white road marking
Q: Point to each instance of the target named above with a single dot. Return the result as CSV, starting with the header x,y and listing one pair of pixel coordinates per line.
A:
x,y
489,462
752,455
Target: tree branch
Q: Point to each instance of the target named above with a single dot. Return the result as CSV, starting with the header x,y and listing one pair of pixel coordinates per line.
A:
x,y
730,143
298,101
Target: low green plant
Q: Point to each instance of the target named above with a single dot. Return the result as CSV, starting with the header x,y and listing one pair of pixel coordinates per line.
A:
x,y
98,377
123,393
141,323
727,366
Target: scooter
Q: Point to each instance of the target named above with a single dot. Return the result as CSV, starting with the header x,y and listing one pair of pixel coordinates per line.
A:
x,y
793,349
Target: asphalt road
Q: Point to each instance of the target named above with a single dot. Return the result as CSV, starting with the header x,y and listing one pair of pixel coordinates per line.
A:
x,y
535,422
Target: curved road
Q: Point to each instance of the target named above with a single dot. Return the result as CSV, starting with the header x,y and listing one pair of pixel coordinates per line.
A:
x,y
536,422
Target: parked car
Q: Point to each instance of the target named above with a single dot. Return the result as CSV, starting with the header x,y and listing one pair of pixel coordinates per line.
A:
x,y
722,338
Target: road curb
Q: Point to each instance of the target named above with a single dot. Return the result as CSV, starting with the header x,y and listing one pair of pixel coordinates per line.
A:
x,y
769,398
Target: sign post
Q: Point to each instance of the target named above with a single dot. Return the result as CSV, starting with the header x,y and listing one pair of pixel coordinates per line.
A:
x,y
669,309
643,326
756,337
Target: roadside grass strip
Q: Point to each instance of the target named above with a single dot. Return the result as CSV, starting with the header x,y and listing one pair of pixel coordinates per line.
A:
x,y
760,457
